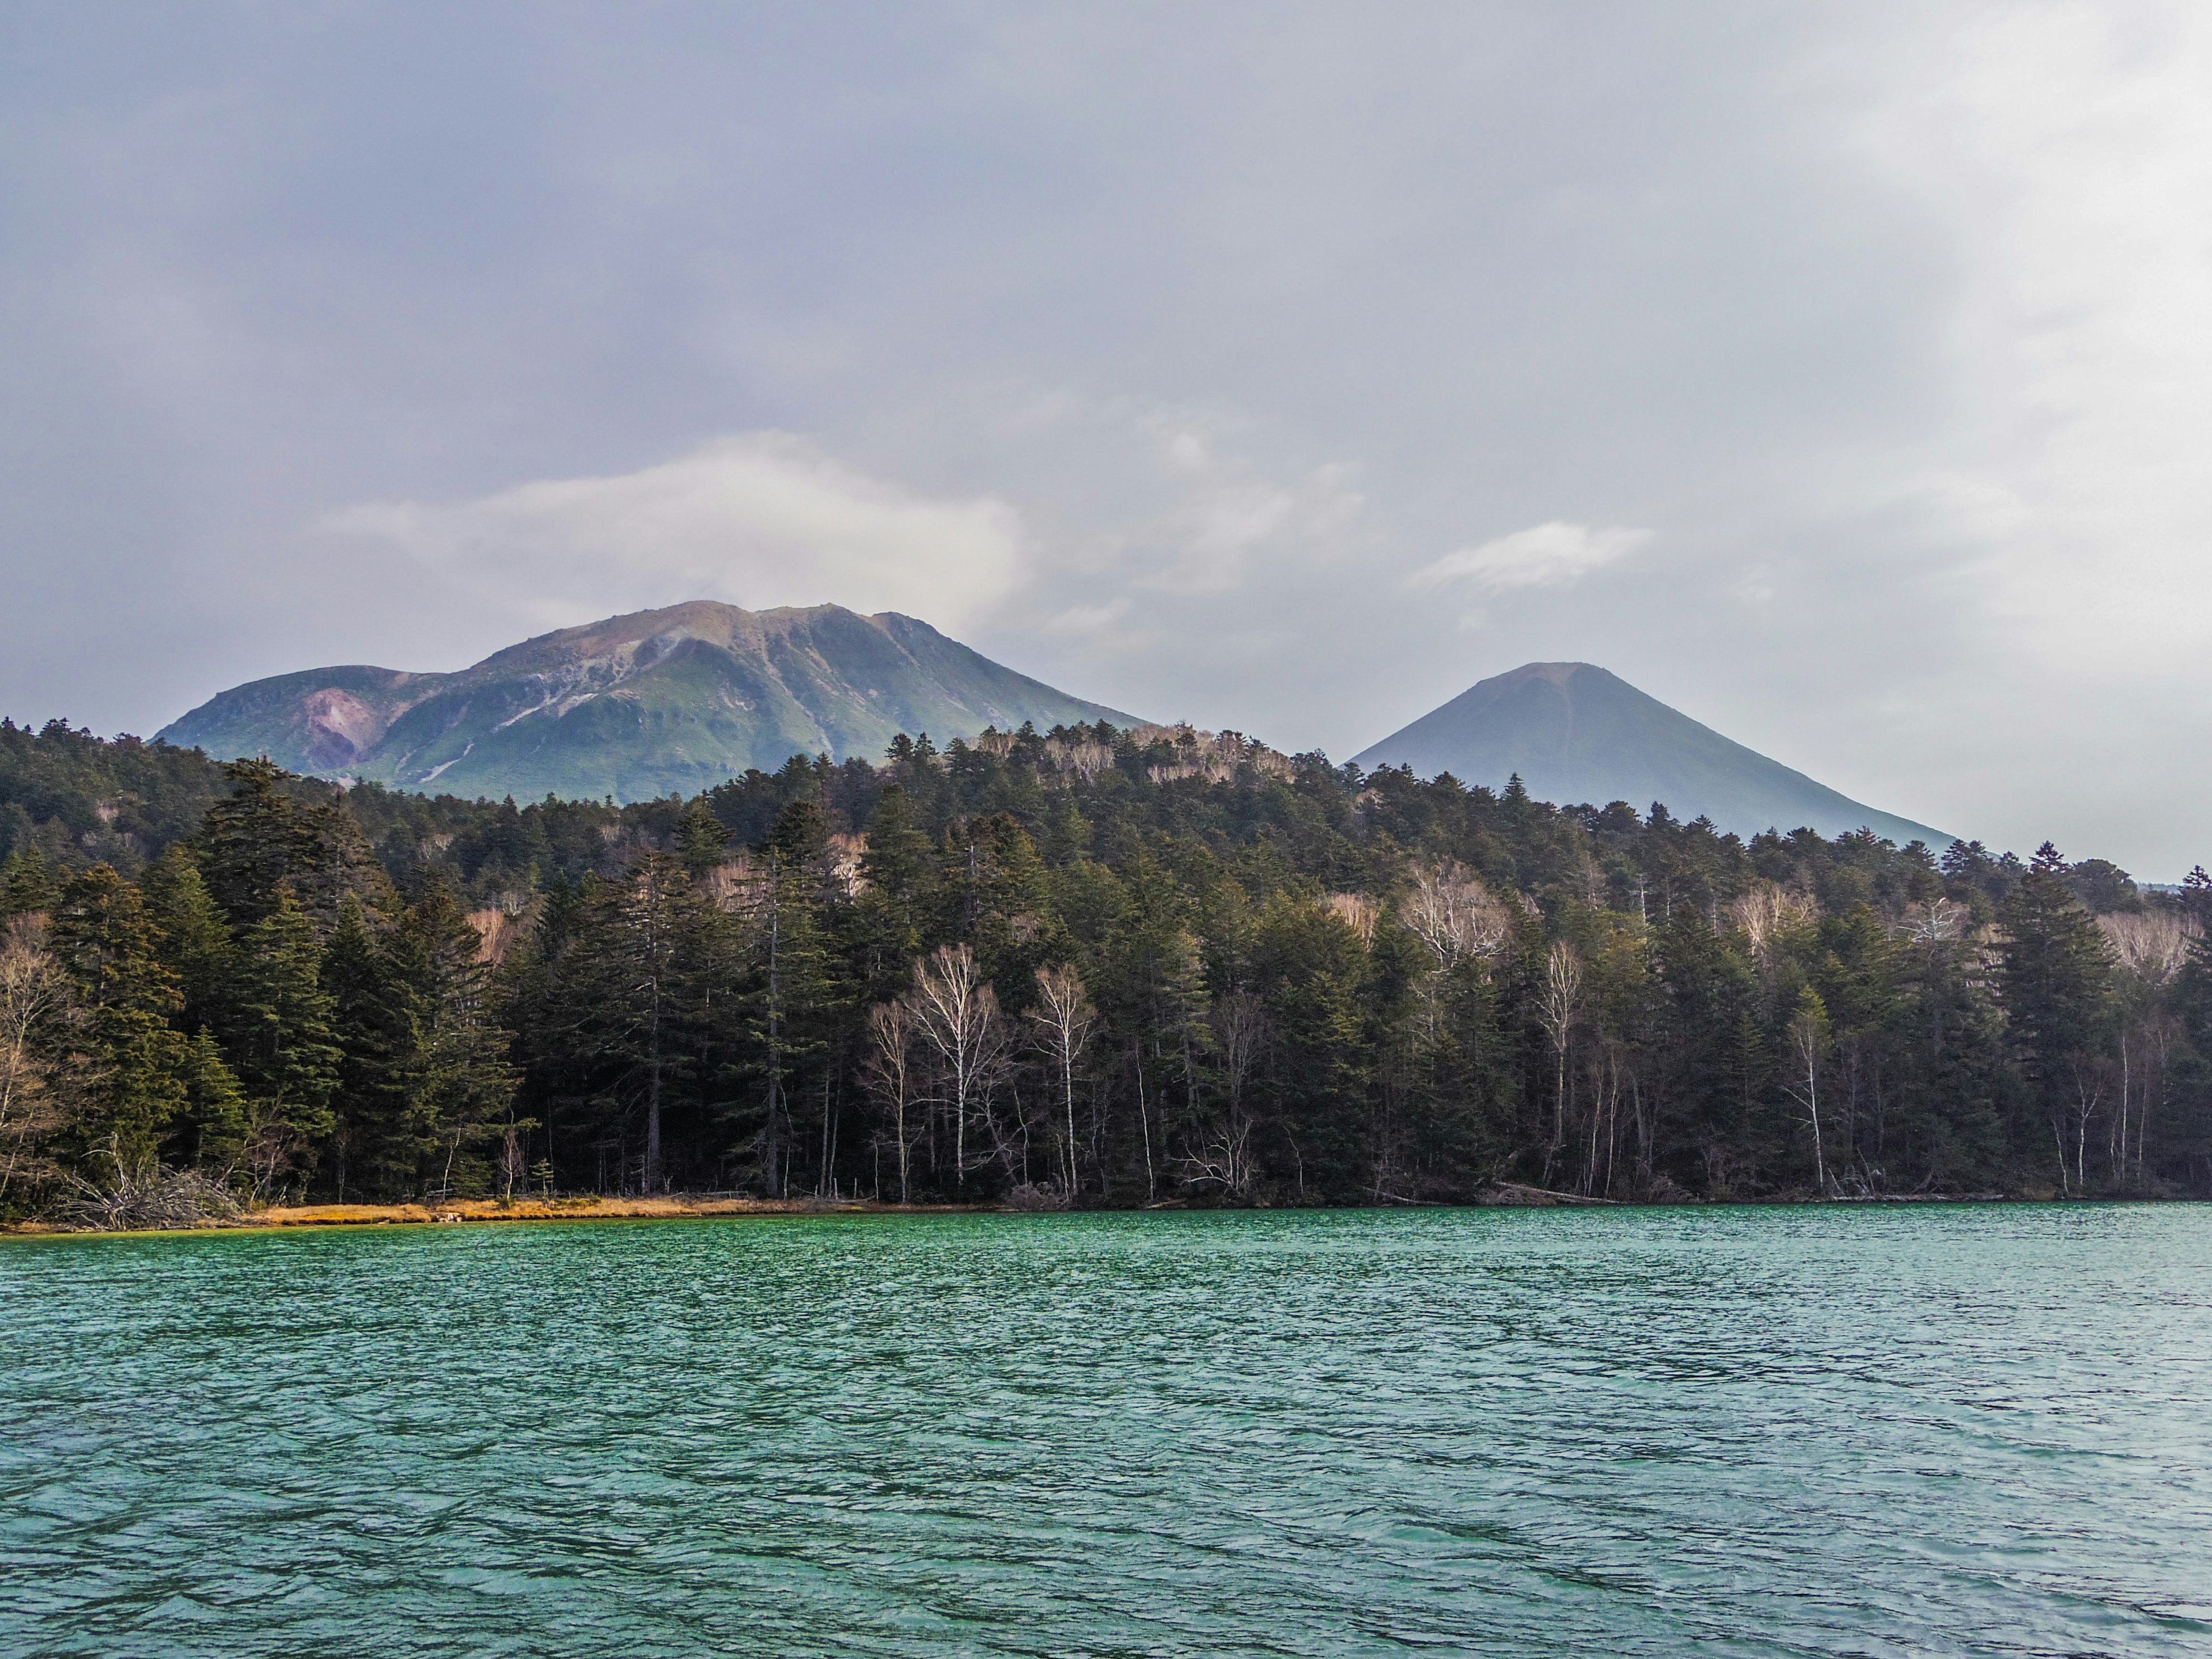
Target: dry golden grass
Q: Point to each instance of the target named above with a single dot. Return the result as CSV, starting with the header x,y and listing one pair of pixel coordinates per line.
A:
x,y
528,1209
673,1207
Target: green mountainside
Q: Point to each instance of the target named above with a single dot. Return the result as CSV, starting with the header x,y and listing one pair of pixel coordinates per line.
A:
x,y
1575,732
634,706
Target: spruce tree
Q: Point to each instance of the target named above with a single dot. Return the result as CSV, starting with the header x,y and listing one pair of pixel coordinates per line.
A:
x,y
458,1081
253,842
282,1039
195,942
700,840
891,916
133,1076
374,1023
28,885
2055,975
624,1001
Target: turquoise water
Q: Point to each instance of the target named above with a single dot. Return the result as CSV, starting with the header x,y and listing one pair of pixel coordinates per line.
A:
x,y
1749,1432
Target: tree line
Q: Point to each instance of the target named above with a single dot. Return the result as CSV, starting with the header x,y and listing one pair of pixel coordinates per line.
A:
x,y
1088,967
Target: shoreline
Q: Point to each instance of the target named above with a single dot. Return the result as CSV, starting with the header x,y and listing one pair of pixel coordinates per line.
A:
x,y
679,1206
478,1211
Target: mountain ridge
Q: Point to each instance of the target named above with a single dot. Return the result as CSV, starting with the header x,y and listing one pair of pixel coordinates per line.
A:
x,y
633,705
1577,732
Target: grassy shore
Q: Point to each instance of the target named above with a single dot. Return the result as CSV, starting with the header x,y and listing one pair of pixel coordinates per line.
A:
x,y
682,1206
673,1207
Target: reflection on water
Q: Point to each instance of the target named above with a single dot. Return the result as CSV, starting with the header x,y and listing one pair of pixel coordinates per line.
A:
x,y
1861,1432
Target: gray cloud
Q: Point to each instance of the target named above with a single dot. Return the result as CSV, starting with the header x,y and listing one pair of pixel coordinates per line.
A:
x,y
1156,350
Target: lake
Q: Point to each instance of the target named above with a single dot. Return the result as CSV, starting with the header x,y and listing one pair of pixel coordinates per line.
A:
x,y
1834,1430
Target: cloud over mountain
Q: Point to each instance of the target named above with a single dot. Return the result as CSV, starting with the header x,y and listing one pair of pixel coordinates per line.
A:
x,y
753,519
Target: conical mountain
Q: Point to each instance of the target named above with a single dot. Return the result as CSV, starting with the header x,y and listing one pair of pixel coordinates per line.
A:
x,y
1578,734
635,705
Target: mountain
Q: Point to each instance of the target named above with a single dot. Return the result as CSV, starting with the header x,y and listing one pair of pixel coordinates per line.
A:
x,y
1576,733
635,705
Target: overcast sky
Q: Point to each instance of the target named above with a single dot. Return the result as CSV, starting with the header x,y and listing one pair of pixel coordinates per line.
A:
x,y
1841,375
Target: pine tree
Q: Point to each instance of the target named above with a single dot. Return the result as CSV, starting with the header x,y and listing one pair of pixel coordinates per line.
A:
x,y
340,864
27,886
892,917
458,1080
196,943
700,840
627,995
2056,979
2197,896
374,1023
281,1040
253,842
792,997
133,1076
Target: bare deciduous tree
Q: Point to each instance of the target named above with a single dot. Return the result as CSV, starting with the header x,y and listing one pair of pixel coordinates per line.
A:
x,y
957,1013
1808,1046
1356,911
1560,1005
1064,1018
1239,1023
1766,912
890,1076
1452,913
2150,947
1937,922
2150,944
34,996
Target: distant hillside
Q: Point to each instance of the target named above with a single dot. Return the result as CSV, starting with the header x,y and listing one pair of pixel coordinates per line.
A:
x,y
1575,732
635,705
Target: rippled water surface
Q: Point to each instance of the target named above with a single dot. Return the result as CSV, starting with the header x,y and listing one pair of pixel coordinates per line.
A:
x,y
1852,1431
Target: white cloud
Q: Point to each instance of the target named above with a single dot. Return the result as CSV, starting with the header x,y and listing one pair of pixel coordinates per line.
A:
x,y
1544,556
758,519
1228,518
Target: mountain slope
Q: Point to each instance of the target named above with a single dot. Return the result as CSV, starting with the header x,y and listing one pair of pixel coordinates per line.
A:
x,y
634,706
1576,733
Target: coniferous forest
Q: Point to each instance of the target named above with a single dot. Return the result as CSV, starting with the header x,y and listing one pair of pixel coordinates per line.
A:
x,y
1093,967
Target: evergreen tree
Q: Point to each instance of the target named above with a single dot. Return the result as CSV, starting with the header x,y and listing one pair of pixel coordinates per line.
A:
x,y
702,842
899,897
253,843
196,943
791,997
27,886
457,1082
281,1042
375,1025
631,995
135,1067
2055,975
1267,1018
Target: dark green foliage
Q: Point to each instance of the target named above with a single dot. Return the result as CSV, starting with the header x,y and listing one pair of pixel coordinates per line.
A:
x,y
132,1071
2056,984
282,1039
1289,982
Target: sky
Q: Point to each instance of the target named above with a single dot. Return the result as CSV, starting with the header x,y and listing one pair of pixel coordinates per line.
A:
x,y
1839,375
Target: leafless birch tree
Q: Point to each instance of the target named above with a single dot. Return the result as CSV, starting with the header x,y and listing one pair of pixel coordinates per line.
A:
x,y
1808,1046
890,1076
1560,1007
1064,1018
1239,1023
34,996
1452,913
957,1013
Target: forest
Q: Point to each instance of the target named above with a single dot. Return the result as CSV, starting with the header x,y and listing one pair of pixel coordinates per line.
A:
x,y
1091,967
